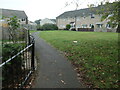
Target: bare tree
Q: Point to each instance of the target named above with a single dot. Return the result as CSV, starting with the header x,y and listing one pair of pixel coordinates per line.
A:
x,y
76,3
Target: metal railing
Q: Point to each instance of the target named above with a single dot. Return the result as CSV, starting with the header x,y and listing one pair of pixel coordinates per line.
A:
x,y
17,69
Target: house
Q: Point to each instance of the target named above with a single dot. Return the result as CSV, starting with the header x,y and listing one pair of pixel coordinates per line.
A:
x,y
5,14
84,18
46,20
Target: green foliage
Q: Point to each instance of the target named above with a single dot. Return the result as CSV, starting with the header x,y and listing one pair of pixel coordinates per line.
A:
x,y
49,27
10,50
13,68
68,26
109,11
39,27
38,21
13,23
95,54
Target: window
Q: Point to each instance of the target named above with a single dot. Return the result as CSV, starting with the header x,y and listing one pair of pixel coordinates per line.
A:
x,y
62,26
99,25
84,26
78,19
78,26
83,15
92,15
108,26
23,19
91,26
72,24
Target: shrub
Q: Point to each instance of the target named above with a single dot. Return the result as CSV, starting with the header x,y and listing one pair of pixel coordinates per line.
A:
x,y
13,68
49,27
39,27
68,26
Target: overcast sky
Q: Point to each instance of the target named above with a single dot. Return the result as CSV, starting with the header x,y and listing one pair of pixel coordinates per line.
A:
x,y
40,9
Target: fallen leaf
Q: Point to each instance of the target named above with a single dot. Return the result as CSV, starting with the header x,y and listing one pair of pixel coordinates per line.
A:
x,y
63,82
60,74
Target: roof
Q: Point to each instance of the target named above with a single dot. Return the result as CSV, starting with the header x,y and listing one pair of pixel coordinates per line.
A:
x,y
77,13
11,13
86,11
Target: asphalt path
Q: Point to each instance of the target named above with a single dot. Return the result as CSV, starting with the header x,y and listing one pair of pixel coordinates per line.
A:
x,y
54,70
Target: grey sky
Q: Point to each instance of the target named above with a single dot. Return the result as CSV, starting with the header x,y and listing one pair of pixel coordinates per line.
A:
x,y
40,9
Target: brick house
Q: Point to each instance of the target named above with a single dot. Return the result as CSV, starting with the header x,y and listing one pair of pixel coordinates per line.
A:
x,y
8,13
84,18
5,14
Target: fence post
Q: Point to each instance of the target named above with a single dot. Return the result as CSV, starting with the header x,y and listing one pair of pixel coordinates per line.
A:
x,y
28,37
33,53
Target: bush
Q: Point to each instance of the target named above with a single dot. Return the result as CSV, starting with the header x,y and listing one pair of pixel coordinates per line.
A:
x,y
39,27
13,68
68,26
49,27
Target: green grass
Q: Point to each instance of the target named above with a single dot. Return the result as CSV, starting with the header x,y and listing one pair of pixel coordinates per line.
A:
x,y
32,31
96,54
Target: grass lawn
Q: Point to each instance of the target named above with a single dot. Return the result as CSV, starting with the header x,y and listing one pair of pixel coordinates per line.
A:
x,y
32,31
95,55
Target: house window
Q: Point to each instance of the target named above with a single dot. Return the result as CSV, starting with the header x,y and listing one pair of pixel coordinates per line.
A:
x,y
84,26
99,25
91,26
60,25
23,19
72,24
78,26
108,26
78,19
64,19
84,17
63,26
92,15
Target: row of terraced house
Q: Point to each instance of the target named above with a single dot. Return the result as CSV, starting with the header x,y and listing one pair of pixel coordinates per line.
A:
x,y
84,18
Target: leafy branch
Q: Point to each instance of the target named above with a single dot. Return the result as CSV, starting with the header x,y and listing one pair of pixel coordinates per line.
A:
x,y
14,24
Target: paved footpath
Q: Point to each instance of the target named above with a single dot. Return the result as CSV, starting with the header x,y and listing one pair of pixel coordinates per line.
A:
x,y
54,70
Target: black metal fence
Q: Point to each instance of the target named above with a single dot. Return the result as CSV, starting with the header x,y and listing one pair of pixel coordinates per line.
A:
x,y
18,61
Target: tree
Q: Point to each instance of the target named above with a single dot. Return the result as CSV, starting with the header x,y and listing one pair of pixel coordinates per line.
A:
x,y
14,24
76,3
111,12
37,21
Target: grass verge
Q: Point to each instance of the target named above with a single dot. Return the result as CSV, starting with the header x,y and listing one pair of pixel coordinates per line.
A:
x,y
95,54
